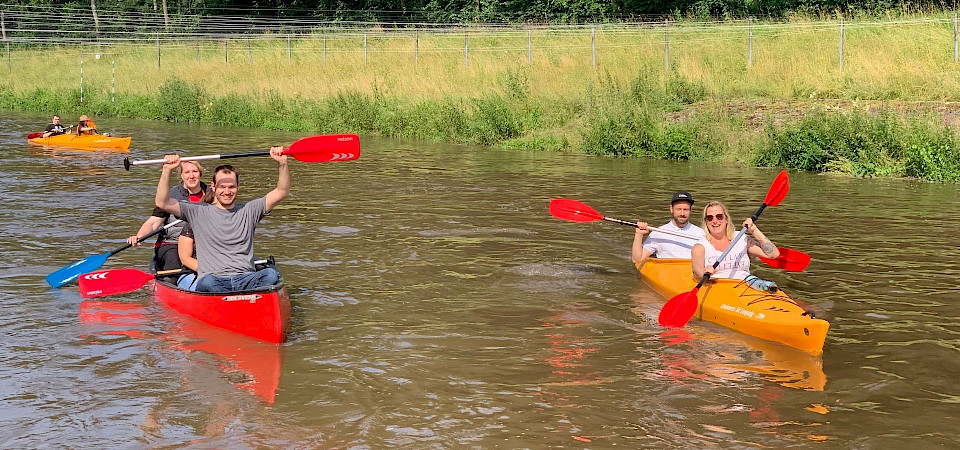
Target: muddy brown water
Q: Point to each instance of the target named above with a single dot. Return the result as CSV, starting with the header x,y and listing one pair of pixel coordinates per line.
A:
x,y
437,304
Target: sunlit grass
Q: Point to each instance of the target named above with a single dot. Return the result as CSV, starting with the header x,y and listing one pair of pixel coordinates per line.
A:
x,y
681,92
909,60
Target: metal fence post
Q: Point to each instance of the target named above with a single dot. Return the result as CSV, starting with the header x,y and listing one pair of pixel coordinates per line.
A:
x,y
364,48
198,51
666,45
81,81
466,49
3,34
113,81
250,49
416,47
956,43
289,51
593,45
224,51
324,49
158,50
841,45
529,48
750,42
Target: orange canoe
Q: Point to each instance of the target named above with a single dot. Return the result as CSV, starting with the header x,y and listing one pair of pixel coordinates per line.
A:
x,y
731,303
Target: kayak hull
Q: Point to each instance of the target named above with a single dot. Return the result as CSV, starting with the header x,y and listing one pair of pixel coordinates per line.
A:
x,y
731,303
85,141
262,314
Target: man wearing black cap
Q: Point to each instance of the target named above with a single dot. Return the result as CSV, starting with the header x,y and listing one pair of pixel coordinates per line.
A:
x,y
666,245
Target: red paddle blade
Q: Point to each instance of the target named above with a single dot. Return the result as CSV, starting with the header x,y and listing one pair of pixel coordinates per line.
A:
x,y
112,282
778,190
567,209
679,310
328,147
789,259
35,135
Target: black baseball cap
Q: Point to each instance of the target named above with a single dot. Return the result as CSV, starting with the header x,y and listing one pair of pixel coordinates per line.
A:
x,y
681,196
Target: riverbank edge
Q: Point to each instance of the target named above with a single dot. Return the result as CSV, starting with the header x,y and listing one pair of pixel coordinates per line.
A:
x,y
663,120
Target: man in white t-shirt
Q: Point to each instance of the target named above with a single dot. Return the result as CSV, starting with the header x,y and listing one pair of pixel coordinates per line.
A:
x,y
664,245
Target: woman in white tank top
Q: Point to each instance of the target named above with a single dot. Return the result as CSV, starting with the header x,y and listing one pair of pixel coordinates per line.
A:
x,y
719,231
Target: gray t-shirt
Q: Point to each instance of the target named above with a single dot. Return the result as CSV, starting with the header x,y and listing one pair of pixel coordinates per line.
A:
x,y
224,238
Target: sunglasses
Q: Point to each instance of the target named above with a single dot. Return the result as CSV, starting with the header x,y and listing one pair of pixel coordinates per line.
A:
x,y
710,217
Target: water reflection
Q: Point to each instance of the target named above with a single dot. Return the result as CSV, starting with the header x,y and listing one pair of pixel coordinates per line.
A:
x,y
246,363
707,352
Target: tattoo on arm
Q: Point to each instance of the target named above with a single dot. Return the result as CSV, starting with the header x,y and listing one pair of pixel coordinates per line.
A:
x,y
767,247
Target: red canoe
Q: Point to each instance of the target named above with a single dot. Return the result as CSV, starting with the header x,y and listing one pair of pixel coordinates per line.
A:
x,y
261,314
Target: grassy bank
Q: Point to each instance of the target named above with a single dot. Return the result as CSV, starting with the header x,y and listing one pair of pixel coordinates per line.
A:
x,y
482,88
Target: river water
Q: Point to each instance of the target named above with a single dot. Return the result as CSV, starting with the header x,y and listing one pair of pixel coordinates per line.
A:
x,y
437,303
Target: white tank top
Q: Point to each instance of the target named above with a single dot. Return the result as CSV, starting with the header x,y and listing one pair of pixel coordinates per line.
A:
x,y
736,265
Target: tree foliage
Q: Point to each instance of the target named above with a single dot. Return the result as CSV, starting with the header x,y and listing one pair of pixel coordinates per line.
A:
x,y
494,11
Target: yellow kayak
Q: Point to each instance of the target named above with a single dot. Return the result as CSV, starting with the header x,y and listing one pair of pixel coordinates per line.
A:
x,y
85,141
731,303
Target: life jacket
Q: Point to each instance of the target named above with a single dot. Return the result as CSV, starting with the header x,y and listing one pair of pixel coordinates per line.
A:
x,y
89,124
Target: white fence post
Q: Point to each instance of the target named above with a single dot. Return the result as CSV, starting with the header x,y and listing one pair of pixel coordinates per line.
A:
x,y
666,45
364,48
466,49
81,81
750,42
841,45
529,48
593,45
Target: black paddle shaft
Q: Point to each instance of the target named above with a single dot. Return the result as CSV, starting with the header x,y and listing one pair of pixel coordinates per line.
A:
x,y
621,222
146,236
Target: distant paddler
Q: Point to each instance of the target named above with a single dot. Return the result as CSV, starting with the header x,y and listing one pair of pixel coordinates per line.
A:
x,y
86,126
55,127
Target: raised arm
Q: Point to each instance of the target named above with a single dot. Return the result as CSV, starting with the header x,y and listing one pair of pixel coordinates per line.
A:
x,y
283,179
163,200
762,247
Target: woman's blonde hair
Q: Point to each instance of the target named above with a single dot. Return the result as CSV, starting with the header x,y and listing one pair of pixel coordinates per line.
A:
x,y
726,216
196,163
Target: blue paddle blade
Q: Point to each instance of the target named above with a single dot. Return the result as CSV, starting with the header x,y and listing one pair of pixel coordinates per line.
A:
x,y
71,272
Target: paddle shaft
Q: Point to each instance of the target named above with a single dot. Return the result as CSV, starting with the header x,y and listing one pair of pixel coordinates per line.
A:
x,y
659,230
143,238
127,164
736,238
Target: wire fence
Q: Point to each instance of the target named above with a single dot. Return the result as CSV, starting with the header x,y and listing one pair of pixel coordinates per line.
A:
x,y
32,28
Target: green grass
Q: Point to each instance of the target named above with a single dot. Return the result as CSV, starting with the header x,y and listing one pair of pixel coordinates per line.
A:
x,y
418,86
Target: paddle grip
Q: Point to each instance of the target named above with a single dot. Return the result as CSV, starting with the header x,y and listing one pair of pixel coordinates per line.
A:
x,y
759,210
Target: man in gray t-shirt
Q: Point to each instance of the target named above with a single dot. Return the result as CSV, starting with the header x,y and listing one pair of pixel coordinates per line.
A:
x,y
224,230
